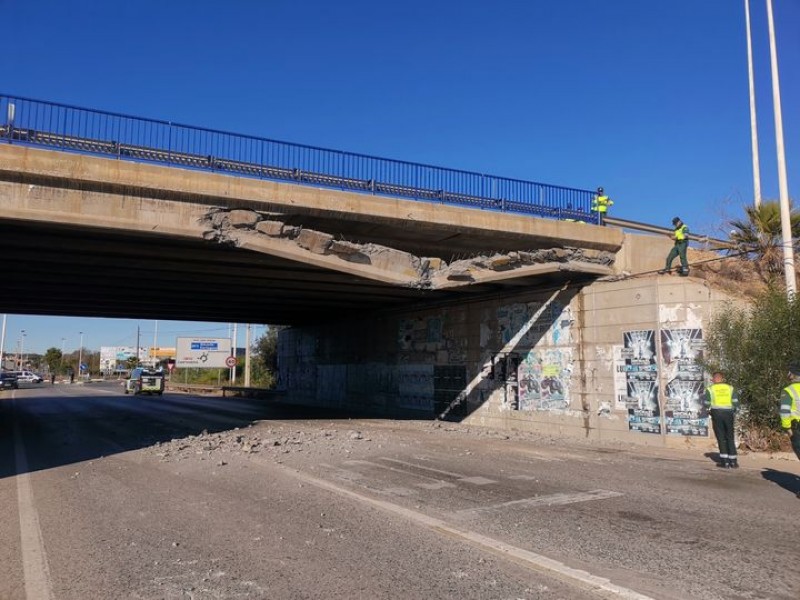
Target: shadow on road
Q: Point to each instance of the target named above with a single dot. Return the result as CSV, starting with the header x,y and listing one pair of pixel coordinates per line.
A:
x,y
788,481
59,429
713,456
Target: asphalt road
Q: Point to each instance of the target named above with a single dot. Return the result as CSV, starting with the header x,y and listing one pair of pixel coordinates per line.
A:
x,y
114,496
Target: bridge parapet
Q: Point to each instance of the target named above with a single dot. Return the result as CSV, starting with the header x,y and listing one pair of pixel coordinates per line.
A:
x,y
125,137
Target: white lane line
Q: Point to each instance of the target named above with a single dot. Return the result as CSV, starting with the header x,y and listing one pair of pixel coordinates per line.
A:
x,y
464,478
417,466
549,500
437,482
538,562
34,558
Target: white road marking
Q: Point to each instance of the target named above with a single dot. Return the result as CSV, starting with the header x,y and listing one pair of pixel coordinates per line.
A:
x,y
538,562
461,477
394,469
416,466
549,500
477,480
34,558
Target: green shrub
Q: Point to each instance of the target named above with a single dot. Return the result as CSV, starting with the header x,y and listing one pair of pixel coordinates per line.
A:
x,y
754,347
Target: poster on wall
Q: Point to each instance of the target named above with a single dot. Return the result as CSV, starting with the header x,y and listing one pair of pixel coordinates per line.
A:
x,y
641,380
544,377
684,412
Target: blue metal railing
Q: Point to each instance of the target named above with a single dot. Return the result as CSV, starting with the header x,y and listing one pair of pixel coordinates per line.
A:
x,y
75,129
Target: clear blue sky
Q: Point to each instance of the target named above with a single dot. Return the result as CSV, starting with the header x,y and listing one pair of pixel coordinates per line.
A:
x,y
646,98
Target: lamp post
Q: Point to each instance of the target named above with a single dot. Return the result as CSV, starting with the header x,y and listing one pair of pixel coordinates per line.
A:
x,y
3,343
753,126
80,353
783,184
22,349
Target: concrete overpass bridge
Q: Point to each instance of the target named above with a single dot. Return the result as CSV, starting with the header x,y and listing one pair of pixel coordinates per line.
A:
x,y
111,215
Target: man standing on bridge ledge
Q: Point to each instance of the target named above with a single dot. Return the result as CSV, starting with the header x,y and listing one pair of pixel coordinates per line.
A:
x,y
601,204
680,234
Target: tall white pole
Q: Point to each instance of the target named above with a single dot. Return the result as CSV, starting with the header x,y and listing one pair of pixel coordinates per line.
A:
x,y
247,356
80,353
235,343
783,184
753,124
3,342
155,345
22,350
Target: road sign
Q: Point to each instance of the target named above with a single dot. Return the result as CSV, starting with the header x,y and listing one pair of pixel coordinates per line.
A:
x,y
230,361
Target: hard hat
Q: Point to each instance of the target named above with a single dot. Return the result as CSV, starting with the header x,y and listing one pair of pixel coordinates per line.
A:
x,y
794,370
676,220
599,190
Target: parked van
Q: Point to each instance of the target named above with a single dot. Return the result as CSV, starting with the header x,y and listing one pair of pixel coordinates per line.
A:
x,y
27,377
142,381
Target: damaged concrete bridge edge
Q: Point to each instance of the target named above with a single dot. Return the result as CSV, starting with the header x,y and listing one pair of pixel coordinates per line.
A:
x,y
266,232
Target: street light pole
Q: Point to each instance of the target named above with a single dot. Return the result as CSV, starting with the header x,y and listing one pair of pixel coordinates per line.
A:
x,y
21,348
80,353
3,343
753,125
783,183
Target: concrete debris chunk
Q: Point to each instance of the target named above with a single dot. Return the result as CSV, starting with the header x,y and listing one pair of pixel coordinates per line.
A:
x,y
241,218
315,241
270,228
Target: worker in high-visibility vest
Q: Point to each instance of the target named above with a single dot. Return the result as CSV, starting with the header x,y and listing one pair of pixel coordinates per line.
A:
x,y
680,234
600,204
723,401
790,409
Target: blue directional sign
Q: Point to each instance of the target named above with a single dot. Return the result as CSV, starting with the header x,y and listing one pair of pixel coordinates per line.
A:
x,y
205,345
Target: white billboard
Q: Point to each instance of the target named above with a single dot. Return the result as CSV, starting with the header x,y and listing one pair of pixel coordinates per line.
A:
x,y
202,352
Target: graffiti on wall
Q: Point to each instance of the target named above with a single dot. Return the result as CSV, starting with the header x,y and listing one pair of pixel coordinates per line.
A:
x,y
640,365
545,347
543,377
415,386
552,328
684,412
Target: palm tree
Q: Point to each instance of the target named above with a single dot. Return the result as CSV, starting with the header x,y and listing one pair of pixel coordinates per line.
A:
x,y
759,238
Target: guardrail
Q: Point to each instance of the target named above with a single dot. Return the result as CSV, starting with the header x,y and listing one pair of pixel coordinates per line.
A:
x,y
125,137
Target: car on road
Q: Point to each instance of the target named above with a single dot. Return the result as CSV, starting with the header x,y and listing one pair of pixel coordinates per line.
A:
x,y
8,381
27,377
144,381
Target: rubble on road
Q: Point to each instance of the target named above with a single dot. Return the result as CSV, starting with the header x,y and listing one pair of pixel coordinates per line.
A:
x,y
255,440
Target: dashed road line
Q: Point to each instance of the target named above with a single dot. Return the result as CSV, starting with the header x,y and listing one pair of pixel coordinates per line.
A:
x,y
459,476
34,558
549,500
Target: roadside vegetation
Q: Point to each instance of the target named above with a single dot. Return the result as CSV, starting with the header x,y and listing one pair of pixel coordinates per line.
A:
x,y
754,343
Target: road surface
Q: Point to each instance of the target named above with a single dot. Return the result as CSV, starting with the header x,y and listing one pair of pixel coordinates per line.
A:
x,y
180,496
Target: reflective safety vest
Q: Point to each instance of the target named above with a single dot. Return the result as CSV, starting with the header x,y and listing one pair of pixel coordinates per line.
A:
x,y
721,395
790,405
681,233
601,203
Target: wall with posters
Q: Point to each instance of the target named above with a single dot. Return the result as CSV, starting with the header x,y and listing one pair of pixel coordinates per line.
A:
x,y
610,360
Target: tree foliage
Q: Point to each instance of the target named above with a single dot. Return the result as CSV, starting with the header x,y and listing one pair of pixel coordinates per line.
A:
x,y
754,347
265,362
759,235
53,358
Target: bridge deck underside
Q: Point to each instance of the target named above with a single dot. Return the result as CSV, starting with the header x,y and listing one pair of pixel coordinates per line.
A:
x,y
63,270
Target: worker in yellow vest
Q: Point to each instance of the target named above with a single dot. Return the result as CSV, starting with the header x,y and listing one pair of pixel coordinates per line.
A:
x,y
790,409
680,233
600,204
723,401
